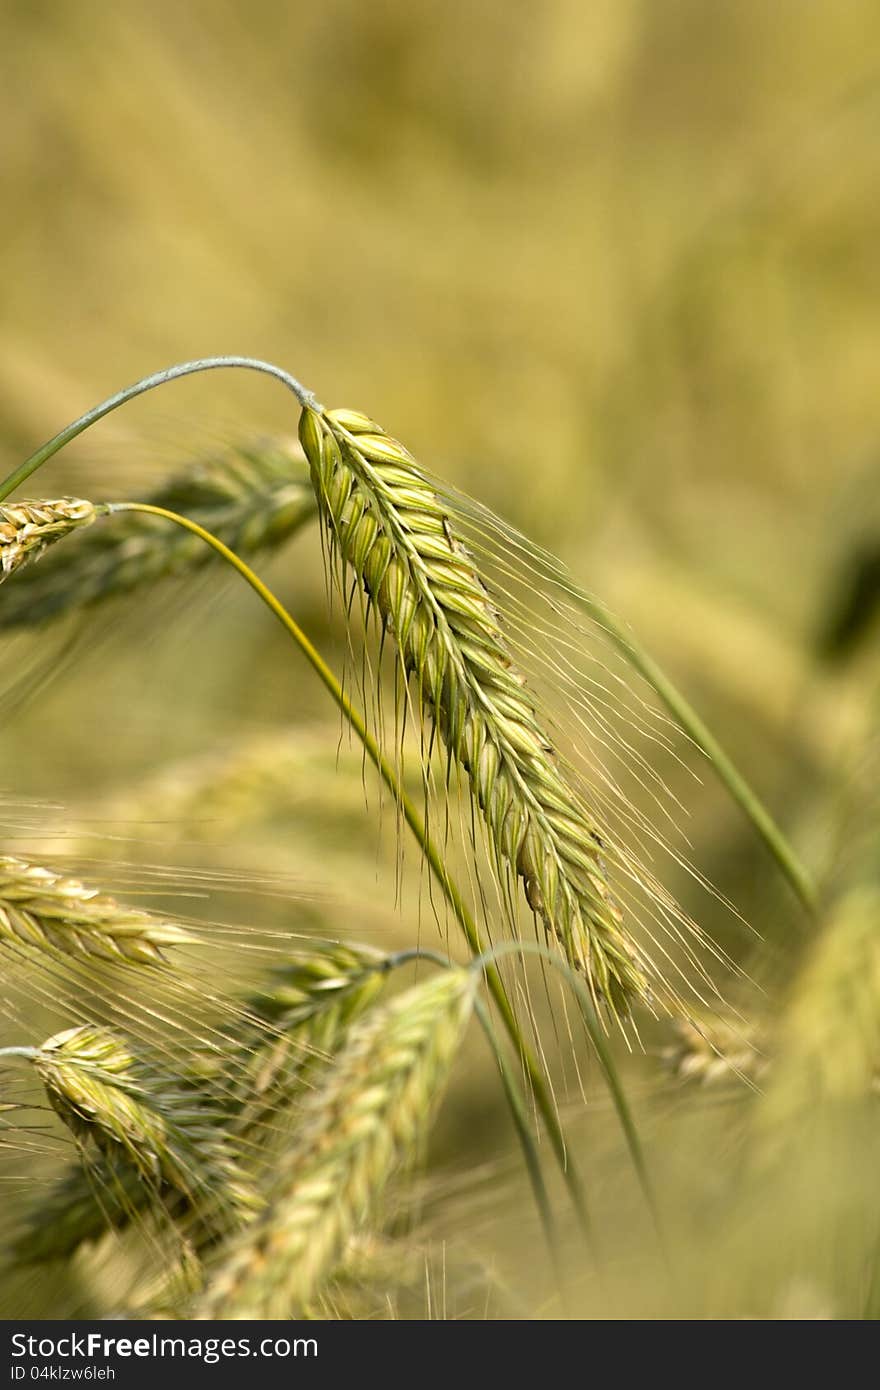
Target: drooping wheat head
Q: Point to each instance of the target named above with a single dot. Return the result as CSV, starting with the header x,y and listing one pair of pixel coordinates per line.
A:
x,y
386,524
147,1120
364,1120
45,911
27,529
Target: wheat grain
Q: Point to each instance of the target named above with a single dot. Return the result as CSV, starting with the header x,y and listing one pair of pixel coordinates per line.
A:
x,y
253,498
45,911
27,529
364,1121
389,526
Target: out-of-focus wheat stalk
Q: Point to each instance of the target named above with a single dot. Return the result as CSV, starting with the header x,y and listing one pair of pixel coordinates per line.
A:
x,y
254,498
366,1118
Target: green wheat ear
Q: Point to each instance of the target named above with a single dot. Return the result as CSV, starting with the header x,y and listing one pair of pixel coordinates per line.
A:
x,y
385,523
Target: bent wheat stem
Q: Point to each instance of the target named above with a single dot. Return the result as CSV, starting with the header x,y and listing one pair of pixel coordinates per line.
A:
x,y
139,388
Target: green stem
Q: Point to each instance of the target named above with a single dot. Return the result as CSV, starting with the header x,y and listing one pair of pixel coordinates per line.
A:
x,y
603,1052
417,825
693,725
128,393
519,1114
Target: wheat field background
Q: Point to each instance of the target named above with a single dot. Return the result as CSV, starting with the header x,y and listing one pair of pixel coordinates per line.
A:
x,y
610,268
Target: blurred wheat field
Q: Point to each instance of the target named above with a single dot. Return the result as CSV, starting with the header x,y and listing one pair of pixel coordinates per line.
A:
x,y
612,274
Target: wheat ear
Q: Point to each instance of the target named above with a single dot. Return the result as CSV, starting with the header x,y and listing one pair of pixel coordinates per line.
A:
x,y
251,497
27,529
44,910
146,1119
389,526
302,1017
364,1121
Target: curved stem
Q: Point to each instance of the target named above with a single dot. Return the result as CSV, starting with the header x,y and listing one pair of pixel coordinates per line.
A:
x,y
417,825
147,383
693,725
603,1052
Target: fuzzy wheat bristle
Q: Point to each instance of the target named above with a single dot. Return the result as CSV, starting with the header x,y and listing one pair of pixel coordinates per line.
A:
x,y
44,910
27,529
253,499
136,1114
387,524
365,1120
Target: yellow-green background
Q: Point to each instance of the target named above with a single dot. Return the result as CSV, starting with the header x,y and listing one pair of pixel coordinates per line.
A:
x,y
610,266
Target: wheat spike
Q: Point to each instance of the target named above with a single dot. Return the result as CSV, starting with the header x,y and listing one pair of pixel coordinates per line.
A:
x,y
302,1016
27,529
389,526
365,1120
253,499
148,1120
44,910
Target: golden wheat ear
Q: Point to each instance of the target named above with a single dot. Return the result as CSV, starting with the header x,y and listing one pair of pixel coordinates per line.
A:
x,y
47,912
385,523
27,529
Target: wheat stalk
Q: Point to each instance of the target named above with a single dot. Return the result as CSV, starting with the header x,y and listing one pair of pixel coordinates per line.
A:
x,y
44,910
828,1035
147,1119
363,1122
79,1209
251,497
389,526
27,529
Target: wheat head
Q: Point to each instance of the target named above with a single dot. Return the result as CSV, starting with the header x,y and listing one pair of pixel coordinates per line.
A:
x,y
300,1018
388,525
366,1119
148,1120
45,911
27,529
